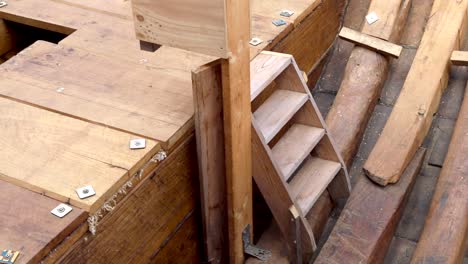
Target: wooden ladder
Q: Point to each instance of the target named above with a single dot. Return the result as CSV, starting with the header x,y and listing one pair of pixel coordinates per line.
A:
x,y
294,158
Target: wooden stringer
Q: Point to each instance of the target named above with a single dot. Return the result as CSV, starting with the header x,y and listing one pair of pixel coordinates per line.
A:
x,y
287,129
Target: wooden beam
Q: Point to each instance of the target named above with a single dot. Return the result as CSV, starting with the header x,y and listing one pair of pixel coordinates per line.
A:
x,y
392,18
208,102
443,239
419,99
366,225
237,125
364,77
459,58
370,42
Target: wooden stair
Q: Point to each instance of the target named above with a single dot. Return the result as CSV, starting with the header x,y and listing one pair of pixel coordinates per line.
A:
x,y
287,131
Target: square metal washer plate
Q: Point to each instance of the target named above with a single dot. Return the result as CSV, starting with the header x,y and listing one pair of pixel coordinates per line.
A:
x,y
61,210
139,143
372,18
85,192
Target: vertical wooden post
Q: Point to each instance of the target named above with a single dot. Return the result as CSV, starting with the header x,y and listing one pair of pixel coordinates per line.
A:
x,y
237,124
208,102
219,28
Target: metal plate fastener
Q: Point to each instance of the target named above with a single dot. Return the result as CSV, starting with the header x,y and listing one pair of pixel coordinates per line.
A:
x,y
85,192
286,13
61,210
255,41
139,143
371,18
278,22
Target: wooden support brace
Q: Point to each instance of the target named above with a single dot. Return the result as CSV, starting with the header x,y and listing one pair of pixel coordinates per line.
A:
x,y
370,42
296,252
459,58
207,96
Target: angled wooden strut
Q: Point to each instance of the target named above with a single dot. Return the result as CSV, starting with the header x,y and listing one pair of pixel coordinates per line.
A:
x,y
443,239
412,114
287,131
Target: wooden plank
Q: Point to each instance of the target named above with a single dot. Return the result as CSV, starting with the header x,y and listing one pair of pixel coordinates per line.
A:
x,y
324,22
199,26
311,181
373,43
294,146
141,226
134,98
366,225
207,90
443,239
39,148
263,70
237,125
459,58
277,110
272,9
390,22
183,244
420,96
26,224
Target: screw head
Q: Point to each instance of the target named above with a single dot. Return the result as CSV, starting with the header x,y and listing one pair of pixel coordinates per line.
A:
x,y
61,210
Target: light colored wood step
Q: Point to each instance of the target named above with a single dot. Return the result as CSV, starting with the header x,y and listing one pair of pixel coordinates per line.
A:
x,y
296,145
264,69
311,180
277,110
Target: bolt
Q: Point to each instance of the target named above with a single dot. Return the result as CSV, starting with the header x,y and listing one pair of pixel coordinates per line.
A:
x,y
85,191
61,210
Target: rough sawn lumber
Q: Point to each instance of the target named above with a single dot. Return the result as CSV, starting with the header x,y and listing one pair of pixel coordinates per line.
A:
x,y
366,225
420,96
444,236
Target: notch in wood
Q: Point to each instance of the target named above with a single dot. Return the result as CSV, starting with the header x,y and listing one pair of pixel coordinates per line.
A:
x,y
148,46
370,42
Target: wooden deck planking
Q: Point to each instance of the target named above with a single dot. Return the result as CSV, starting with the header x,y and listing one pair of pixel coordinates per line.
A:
x,y
54,154
131,98
26,224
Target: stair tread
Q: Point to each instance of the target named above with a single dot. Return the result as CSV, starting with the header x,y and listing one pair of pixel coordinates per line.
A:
x,y
277,110
264,69
296,145
311,180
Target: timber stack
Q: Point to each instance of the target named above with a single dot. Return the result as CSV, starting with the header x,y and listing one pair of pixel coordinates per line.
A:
x,y
249,131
